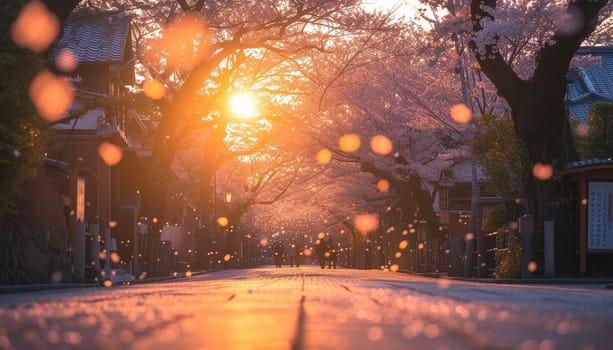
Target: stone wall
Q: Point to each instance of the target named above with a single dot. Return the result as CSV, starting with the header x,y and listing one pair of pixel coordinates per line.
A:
x,y
33,244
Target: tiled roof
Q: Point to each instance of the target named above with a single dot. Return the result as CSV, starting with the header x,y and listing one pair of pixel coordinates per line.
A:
x,y
587,163
590,84
94,37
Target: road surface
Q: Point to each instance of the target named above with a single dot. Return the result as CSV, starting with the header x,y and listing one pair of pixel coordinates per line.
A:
x,y
310,308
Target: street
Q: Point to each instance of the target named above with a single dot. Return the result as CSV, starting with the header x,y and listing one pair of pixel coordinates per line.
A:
x,y
310,308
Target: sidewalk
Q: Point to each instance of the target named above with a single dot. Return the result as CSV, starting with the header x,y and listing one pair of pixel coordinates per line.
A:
x,y
28,288
535,280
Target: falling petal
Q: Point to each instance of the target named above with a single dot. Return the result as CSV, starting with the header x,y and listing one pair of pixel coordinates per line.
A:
x,y
375,333
349,143
154,89
542,171
51,95
110,153
66,60
56,277
582,129
35,27
383,185
222,221
381,144
365,223
460,113
324,156
532,266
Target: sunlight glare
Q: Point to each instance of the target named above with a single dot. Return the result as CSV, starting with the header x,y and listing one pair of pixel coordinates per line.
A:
x,y
243,105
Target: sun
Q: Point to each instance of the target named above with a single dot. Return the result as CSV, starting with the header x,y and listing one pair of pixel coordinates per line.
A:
x,y
243,105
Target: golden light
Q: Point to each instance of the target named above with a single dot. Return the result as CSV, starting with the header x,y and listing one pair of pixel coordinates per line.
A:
x,y
324,156
420,246
307,252
383,185
321,235
227,257
115,257
460,113
397,255
394,267
188,274
542,171
365,223
155,220
264,242
222,221
381,144
154,89
110,153
35,27
243,105
51,95
107,283
349,143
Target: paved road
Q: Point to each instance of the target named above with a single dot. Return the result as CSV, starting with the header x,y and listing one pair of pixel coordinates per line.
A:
x,y
310,308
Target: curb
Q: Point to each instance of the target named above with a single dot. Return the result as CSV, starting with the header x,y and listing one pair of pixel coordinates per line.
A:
x,y
608,280
28,288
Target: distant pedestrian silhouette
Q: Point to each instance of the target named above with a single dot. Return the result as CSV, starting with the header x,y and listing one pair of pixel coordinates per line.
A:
x,y
331,254
277,252
322,251
292,255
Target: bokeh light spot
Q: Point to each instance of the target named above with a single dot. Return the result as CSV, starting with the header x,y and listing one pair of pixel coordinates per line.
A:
x,y
154,89
375,333
222,221
365,223
532,266
110,153
324,156
35,27
107,283
394,267
51,95
66,60
227,257
381,144
403,244
542,171
349,143
460,113
383,185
